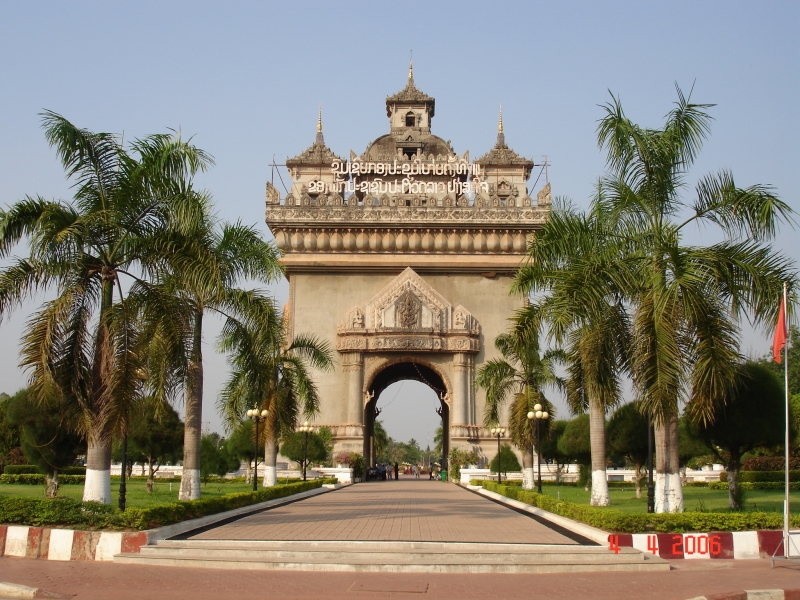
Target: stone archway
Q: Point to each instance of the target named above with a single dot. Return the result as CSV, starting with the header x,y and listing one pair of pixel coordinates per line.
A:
x,y
404,368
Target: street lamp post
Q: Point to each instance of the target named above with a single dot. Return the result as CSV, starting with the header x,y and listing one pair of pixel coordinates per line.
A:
x,y
538,415
257,416
499,432
306,429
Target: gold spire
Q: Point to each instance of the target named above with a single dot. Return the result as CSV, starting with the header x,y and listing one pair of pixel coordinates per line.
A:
x,y
500,124
411,69
320,140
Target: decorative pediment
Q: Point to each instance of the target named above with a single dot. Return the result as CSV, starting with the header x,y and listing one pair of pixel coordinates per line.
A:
x,y
408,302
408,315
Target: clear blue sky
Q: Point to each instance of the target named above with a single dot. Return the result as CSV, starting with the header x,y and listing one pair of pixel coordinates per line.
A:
x,y
246,79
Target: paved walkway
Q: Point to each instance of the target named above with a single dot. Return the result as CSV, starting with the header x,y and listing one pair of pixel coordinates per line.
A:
x,y
101,581
405,510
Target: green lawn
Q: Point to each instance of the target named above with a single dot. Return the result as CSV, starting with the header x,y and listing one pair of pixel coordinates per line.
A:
x,y
694,499
136,493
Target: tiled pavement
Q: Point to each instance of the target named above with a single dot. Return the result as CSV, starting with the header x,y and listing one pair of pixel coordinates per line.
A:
x,y
407,510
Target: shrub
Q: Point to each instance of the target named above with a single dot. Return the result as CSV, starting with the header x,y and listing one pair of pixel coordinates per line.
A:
x,y
769,463
64,511
618,522
762,476
755,485
20,470
39,479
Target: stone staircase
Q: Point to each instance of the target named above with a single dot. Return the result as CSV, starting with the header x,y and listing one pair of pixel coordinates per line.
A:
x,y
396,557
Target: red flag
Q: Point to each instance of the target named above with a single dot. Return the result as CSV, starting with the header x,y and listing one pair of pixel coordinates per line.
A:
x,y
779,341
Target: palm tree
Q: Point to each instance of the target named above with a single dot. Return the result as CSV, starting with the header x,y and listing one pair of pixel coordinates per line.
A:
x,y
686,300
271,372
81,346
210,258
521,373
585,312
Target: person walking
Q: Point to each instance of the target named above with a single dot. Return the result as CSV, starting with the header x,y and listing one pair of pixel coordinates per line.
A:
x,y
396,471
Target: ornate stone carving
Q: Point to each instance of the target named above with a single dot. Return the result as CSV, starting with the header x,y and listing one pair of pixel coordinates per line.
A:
x,y
273,195
407,311
543,198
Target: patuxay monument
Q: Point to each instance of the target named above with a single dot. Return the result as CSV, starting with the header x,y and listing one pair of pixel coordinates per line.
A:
x,y
401,258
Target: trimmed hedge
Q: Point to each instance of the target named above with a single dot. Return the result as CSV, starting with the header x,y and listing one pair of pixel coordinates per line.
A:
x,y
759,476
32,470
615,521
38,479
769,463
64,511
756,485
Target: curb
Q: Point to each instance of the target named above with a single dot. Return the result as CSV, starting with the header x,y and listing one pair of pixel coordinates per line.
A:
x,y
15,590
46,543
754,595
691,546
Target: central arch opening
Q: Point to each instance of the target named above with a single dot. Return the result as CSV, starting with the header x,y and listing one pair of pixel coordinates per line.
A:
x,y
382,391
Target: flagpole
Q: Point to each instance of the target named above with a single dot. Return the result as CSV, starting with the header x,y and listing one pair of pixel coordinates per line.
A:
x,y
786,443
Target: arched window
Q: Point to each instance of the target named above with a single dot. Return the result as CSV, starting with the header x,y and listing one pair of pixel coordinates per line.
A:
x,y
411,120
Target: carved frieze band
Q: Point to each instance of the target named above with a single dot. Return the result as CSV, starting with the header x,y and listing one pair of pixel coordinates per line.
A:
x,y
383,342
523,216
494,241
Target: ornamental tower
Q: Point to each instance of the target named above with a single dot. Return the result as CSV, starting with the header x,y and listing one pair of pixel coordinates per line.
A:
x,y
401,257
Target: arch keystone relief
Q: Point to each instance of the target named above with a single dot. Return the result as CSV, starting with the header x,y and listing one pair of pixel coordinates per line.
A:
x,y
401,258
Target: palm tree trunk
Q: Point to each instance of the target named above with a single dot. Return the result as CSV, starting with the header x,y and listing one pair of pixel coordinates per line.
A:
x,y
669,494
97,486
270,463
734,492
51,484
190,479
528,473
597,440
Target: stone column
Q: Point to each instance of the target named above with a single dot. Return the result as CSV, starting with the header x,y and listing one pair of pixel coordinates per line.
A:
x,y
460,402
353,365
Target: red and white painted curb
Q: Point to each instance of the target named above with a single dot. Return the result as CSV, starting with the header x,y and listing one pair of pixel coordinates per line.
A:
x,y
754,595
737,544
67,544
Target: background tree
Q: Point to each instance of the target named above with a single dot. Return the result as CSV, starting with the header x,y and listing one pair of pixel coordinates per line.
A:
x,y
9,435
550,449
507,461
45,436
575,443
326,435
241,446
155,437
438,440
627,436
80,346
214,458
692,448
380,437
293,448
750,418
521,374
